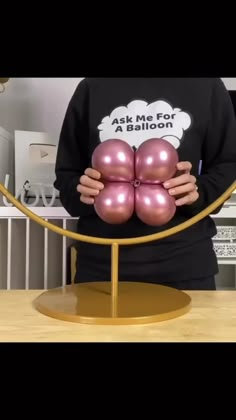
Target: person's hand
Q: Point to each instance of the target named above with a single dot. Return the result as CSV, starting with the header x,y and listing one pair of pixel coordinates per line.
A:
x,y
89,186
183,187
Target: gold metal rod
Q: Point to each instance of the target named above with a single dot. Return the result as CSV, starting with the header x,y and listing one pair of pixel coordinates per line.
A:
x,y
126,241
114,277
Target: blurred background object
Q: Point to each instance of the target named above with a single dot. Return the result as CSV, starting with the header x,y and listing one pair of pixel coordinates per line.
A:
x,y
3,80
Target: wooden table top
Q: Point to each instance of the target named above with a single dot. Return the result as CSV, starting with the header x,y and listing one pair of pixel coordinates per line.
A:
x,y
212,318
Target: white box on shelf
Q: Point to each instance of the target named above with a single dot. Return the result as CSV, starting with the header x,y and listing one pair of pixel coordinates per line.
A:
x,y
6,158
35,158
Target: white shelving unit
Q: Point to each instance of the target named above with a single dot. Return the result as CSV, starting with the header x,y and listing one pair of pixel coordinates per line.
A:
x,y
32,257
226,221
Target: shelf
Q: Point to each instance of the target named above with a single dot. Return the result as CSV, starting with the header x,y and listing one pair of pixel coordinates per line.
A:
x,y
45,212
226,261
227,212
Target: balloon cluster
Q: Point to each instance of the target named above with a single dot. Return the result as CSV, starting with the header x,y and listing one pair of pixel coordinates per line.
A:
x,y
133,181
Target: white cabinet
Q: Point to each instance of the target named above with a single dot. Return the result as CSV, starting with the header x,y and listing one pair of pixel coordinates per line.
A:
x,y
225,245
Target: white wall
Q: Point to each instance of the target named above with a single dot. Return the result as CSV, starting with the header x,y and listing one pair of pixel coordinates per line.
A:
x,y
36,104
39,104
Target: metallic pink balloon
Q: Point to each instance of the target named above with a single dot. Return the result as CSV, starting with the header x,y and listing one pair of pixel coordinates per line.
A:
x,y
115,203
131,180
153,204
114,159
155,161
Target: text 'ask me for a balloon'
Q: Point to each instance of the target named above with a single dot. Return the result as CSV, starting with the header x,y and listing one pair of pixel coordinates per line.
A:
x,y
133,181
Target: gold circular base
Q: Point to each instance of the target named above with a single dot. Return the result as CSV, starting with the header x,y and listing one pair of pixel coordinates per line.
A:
x,y
92,303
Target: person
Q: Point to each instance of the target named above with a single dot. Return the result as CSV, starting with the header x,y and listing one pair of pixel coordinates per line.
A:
x,y
197,117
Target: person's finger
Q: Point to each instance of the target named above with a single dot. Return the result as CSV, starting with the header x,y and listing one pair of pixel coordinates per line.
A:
x,y
92,173
183,189
180,180
87,191
91,183
187,199
86,200
184,166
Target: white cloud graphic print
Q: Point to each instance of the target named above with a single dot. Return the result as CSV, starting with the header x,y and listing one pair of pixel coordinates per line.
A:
x,y
140,121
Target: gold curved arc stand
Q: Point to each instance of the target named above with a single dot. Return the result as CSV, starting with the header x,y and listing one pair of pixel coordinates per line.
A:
x,y
115,303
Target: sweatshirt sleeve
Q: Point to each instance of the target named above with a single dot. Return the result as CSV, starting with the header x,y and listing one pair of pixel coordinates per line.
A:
x,y
219,151
72,154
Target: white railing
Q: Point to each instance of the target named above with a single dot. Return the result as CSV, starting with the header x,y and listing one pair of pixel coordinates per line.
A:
x,y
32,257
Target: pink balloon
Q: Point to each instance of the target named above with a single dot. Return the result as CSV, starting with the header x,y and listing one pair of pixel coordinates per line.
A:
x,y
155,161
131,181
154,205
114,159
115,203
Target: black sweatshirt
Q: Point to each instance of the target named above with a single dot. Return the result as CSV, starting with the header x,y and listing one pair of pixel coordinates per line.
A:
x,y
197,117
